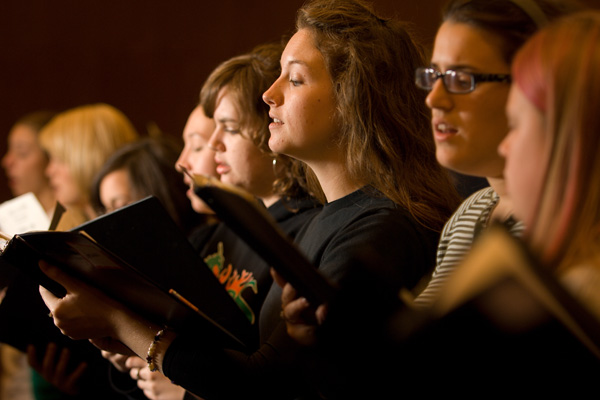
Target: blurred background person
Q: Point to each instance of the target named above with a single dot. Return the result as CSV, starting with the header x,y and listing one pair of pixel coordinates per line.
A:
x,y
78,142
25,161
140,169
24,164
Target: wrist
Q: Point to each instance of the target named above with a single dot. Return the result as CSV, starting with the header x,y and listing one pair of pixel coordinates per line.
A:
x,y
158,347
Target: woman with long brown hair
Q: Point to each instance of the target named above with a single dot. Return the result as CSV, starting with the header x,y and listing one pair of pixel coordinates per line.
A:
x,y
352,115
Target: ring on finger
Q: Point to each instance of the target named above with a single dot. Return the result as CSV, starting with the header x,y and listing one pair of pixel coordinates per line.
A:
x,y
138,377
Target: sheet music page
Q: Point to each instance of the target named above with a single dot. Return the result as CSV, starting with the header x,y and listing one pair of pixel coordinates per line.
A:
x,y
23,214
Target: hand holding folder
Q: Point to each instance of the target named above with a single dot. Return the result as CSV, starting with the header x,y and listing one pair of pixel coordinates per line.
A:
x,y
139,257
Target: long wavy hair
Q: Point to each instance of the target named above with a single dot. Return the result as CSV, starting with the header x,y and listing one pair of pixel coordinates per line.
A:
x,y
386,126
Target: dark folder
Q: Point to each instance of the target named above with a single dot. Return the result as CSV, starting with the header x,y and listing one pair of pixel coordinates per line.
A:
x,y
138,256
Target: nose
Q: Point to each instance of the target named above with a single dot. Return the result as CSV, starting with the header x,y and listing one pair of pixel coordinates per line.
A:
x,y
7,160
272,95
505,144
215,142
50,168
439,97
182,161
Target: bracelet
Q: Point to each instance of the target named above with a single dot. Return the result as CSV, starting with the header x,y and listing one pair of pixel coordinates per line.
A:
x,y
150,358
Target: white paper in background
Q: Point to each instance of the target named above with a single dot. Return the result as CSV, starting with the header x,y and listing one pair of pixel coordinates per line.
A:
x,y
23,214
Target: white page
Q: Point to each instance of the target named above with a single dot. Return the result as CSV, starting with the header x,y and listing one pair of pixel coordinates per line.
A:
x,y
23,214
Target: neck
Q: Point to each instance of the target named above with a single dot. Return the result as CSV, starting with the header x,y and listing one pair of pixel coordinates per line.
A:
x,y
89,211
499,185
334,180
46,199
504,207
270,200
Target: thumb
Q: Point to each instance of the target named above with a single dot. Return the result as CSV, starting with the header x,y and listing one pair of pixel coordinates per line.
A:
x,y
277,278
56,274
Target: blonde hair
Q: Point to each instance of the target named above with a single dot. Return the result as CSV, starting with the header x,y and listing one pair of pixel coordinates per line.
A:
x,y
84,137
557,71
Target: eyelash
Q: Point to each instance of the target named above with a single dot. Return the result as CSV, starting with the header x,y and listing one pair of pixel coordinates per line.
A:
x,y
295,82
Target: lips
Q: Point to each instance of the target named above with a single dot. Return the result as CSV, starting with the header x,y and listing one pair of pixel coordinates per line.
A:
x,y
221,167
276,122
444,128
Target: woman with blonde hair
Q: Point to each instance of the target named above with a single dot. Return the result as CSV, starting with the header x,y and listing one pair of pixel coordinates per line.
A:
x,y
78,142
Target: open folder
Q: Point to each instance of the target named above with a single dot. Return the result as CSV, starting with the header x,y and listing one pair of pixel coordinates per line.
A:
x,y
138,256
506,322
499,261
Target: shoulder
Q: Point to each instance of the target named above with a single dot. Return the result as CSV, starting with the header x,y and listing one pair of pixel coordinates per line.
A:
x,y
360,219
380,228
478,201
471,208
291,215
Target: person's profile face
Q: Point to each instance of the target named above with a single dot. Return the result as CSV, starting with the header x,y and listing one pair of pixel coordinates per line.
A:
x,y
467,128
196,156
63,184
302,103
239,161
25,162
116,190
526,151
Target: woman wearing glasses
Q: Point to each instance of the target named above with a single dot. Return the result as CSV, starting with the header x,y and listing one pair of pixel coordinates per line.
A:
x,y
468,82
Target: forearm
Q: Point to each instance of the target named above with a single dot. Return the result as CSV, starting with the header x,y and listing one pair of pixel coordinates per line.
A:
x,y
139,334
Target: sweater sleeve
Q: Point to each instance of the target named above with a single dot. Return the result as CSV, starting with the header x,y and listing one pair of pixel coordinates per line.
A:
x,y
208,371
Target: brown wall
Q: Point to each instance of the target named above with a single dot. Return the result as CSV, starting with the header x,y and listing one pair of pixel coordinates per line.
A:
x,y
146,57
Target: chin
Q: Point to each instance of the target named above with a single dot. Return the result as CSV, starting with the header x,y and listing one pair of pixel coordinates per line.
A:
x,y
276,146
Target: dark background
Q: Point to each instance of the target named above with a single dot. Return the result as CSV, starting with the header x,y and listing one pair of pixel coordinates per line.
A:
x,y
148,58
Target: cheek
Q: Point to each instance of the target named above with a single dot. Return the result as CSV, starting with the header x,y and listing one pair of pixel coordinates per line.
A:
x,y
322,112
524,179
37,165
65,181
207,165
485,121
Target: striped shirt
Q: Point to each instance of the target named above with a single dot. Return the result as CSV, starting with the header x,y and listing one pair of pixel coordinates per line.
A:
x,y
458,236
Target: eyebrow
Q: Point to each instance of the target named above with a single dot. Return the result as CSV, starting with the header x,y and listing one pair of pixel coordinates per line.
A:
x,y
457,67
296,61
227,119
193,133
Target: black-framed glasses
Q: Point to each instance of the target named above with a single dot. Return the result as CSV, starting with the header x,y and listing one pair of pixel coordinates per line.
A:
x,y
457,82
